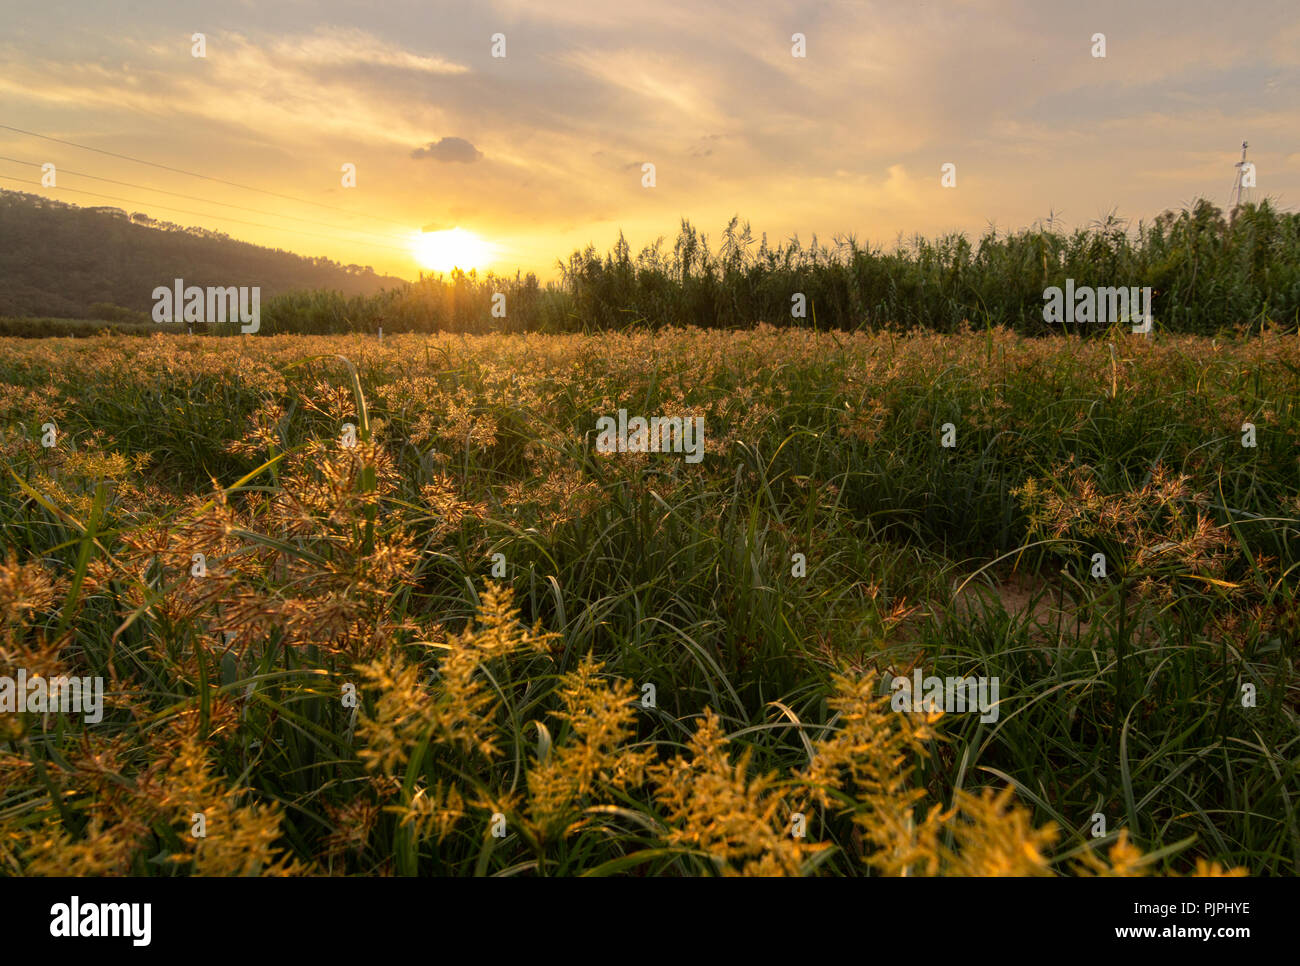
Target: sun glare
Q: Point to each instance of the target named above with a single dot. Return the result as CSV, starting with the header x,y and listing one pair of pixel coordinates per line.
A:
x,y
441,251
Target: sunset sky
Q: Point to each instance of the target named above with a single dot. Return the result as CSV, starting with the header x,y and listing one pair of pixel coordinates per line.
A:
x,y
541,151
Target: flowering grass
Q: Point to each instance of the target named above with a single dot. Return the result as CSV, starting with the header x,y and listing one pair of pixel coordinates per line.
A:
x,y
647,688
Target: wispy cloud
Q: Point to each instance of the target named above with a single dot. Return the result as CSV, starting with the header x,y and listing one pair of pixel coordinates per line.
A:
x,y
336,46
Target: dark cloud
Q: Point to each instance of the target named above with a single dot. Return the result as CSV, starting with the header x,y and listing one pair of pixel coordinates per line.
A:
x,y
705,148
449,149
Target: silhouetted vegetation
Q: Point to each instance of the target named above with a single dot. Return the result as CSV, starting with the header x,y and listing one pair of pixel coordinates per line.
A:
x,y
1207,272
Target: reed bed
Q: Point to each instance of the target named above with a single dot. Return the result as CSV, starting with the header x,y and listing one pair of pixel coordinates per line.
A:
x,y
1208,272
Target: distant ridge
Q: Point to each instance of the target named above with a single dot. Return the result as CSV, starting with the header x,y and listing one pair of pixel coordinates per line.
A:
x,y
58,259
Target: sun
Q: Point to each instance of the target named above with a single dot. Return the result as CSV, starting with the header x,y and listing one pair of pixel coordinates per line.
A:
x,y
441,251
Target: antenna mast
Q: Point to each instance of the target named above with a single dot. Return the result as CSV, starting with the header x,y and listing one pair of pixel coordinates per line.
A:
x,y
1237,187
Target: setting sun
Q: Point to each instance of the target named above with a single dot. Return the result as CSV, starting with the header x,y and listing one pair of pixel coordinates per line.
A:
x,y
441,251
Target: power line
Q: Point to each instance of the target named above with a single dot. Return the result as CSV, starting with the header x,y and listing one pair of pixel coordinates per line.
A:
x,y
208,201
195,174
201,214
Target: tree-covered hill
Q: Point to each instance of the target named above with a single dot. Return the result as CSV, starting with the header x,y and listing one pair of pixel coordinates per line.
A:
x,y
62,260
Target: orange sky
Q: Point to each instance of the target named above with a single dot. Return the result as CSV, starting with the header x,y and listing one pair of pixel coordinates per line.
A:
x,y
541,151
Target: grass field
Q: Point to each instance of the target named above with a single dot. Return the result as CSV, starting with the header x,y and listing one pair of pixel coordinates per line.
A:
x,y
381,607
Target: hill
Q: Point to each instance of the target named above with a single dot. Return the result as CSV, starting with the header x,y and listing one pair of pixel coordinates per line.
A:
x,y
58,259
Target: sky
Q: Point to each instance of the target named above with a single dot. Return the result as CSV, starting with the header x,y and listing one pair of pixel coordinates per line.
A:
x,y
539,152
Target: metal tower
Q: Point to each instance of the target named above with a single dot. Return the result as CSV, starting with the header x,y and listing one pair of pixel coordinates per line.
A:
x,y
1236,186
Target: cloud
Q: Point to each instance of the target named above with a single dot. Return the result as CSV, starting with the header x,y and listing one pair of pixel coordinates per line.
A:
x,y
705,147
449,149
339,46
